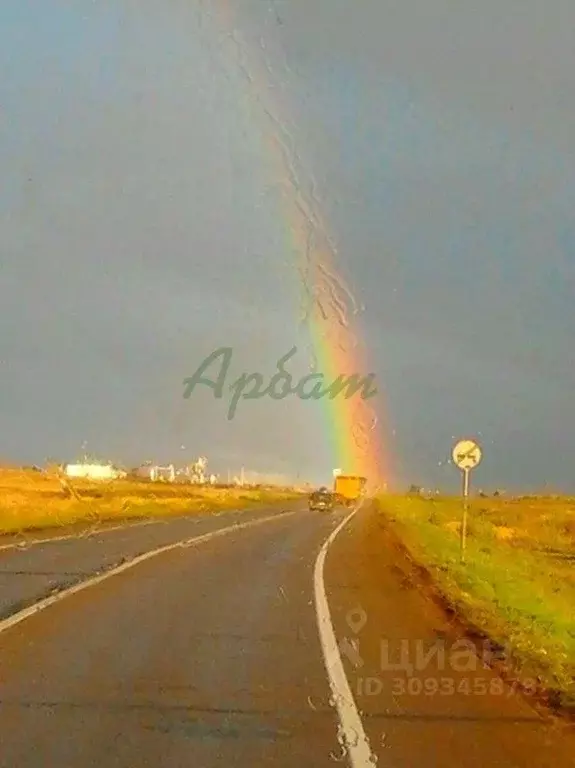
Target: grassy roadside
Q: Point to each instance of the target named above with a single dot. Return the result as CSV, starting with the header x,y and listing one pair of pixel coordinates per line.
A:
x,y
31,501
518,583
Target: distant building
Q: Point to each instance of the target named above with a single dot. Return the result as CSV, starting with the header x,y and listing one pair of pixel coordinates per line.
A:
x,y
163,473
143,472
94,471
191,473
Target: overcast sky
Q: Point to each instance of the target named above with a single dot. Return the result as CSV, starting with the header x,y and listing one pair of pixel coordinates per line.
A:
x,y
141,228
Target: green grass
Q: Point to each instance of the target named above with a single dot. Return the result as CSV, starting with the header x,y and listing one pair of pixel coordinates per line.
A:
x,y
518,581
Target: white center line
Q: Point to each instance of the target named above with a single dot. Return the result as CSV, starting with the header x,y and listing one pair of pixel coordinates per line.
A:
x,y
41,605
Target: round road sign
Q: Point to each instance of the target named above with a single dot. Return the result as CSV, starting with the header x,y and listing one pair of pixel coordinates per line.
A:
x,y
466,454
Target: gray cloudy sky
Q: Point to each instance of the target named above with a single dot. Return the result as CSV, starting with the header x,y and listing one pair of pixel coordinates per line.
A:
x,y
140,226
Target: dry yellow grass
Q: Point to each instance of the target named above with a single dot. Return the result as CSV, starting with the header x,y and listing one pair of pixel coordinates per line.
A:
x,y
35,500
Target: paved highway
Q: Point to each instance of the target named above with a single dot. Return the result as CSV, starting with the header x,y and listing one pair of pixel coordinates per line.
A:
x,y
247,649
38,565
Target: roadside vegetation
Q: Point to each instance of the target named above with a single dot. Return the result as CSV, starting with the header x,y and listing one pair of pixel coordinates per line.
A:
x,y
32,500
517,584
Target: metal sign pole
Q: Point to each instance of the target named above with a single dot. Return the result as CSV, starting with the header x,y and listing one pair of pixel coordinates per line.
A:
x,y
465,509
466,456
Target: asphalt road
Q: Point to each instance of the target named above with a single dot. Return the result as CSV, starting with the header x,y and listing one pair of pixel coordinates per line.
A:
x,y
213,655
41,564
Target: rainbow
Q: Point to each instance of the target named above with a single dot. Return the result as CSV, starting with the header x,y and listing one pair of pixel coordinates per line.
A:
x,y
328,307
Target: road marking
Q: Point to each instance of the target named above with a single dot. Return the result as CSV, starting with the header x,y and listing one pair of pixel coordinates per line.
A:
x,y
355,739
97,531
41,605
83,535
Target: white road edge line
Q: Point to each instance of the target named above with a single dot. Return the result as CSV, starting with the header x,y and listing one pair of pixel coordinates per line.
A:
x,y
355,739
46,602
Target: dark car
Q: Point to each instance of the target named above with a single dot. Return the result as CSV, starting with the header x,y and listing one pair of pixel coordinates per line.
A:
x,y
321,500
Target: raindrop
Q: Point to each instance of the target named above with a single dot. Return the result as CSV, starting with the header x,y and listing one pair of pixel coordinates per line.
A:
x,y
339,758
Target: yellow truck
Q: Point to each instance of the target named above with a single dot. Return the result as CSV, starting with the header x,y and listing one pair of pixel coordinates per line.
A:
x,y
349,488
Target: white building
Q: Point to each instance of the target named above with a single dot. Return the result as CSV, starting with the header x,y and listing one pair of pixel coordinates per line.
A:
x,y
163,473
94,471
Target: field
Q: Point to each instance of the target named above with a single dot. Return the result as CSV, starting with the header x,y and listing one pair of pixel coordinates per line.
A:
x,y
32,500
517,584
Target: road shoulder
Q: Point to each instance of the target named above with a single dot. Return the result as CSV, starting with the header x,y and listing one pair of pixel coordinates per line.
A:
x,y
422,689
